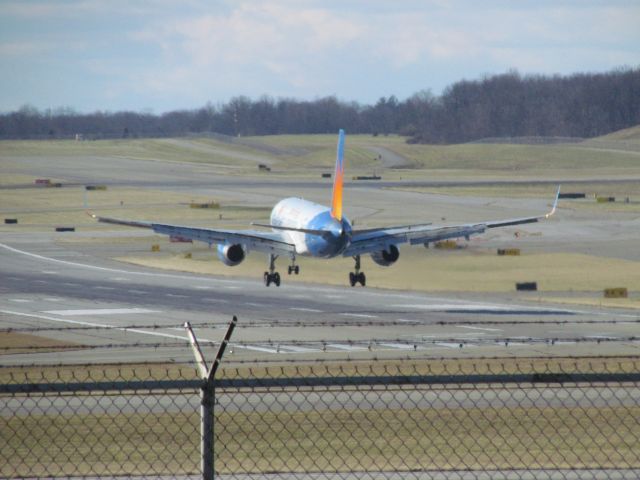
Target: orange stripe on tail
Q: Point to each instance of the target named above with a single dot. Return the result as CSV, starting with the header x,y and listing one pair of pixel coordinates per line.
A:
x,y
338,178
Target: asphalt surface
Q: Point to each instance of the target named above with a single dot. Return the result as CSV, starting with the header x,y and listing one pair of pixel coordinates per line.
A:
x,y
80,297
75,293
127,311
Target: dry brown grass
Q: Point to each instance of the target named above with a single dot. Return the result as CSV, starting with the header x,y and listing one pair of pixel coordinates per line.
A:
x,y
14,343
459,271
333,440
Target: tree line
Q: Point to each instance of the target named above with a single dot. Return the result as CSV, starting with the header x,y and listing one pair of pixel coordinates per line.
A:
x,y
506,105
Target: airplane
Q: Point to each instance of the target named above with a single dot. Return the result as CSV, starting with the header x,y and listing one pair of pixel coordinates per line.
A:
x,y
299,227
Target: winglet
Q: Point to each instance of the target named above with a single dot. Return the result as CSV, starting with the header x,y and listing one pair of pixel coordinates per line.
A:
x,y
338,179
555,204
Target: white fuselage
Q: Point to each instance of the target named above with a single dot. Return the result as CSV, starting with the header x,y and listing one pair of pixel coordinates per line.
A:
x,y
302,214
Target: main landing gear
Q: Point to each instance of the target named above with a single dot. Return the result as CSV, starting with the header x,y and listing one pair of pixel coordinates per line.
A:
x,y
293,268
272,276
357,276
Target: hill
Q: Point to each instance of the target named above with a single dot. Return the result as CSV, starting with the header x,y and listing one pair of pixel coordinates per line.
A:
x,y
631,133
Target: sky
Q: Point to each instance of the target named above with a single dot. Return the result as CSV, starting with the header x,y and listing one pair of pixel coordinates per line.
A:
x,y
162,55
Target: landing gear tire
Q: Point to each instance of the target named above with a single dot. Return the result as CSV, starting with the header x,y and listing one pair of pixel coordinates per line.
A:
x,y
293,269
272,276
357,276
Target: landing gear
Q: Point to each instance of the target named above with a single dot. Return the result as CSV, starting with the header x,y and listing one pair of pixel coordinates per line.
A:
x,y
357,276
293,268
272,276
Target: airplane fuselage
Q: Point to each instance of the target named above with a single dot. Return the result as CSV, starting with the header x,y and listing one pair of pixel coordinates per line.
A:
x,y
303,214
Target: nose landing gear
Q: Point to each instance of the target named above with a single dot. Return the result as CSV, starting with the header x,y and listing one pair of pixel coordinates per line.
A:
x,y
357,276
272,276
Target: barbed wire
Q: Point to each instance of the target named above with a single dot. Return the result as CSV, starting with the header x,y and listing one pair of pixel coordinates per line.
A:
x,y
324,343
260,362
314,324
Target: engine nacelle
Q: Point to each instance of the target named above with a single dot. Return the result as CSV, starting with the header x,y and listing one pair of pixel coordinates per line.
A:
x,y
231,255
386,257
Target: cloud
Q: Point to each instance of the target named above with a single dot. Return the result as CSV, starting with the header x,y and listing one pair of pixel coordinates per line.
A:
x,y
250,41
162,52
20,49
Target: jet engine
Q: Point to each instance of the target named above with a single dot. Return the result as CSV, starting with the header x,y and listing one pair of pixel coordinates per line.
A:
x,y
231,255
386,257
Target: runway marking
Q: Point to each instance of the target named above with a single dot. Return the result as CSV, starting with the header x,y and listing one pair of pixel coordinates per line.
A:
x,y
480,328
40,281
214,300
118,279
53,299
350,348
451,345
257,348
100,311
334,296
69,284
139,292
107,269
469,336
437,307
176,295
250,304
302,309
20,300
100,325
297,349
103,288
359,315
401,346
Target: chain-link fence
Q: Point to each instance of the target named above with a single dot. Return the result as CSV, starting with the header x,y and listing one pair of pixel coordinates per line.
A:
x,y
394,419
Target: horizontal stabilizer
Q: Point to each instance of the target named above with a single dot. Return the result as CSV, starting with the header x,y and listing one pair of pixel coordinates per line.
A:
x,y
309,231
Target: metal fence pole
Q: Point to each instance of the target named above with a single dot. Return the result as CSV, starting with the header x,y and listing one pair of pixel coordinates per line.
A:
x,y
207,401
208,398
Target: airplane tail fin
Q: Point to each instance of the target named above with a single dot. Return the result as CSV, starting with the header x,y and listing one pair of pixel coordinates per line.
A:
x,y
338,178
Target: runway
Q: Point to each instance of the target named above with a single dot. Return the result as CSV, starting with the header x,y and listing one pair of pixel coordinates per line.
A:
x,y
126,312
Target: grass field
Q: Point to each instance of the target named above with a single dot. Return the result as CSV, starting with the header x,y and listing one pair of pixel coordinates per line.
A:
x,y
477,270
13,343
37,207
333,440
304,156
619,190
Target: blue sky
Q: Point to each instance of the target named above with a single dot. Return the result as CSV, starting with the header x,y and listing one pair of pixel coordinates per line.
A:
x,y
162,55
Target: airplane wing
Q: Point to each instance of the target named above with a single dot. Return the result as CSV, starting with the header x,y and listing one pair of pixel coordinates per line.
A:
x,y
267,242
376,239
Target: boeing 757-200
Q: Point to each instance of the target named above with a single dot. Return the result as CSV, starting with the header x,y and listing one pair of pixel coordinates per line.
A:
x,y
302,228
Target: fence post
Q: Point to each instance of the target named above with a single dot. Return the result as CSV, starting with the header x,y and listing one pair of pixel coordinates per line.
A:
x,y
208,398
207,401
